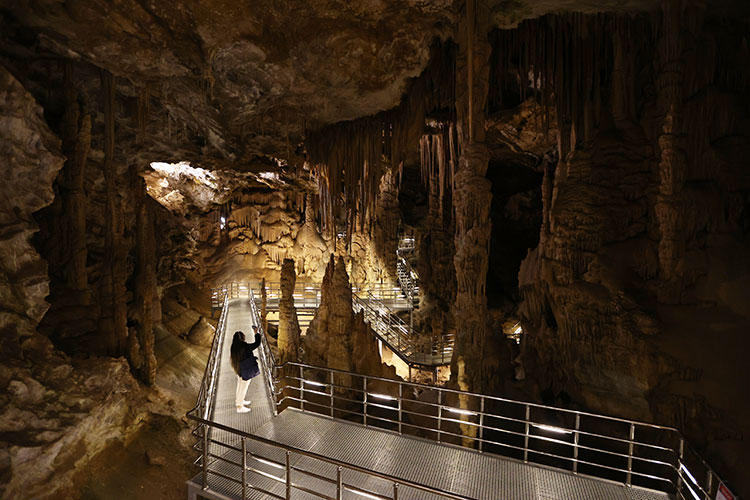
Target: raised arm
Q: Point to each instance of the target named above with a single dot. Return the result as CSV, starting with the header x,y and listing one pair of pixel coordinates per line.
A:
x,y
254,345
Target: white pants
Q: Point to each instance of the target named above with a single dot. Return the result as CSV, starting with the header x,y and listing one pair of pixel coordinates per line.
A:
x,y
239,395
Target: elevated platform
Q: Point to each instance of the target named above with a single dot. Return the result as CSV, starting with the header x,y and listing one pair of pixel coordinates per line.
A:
x,y
335,459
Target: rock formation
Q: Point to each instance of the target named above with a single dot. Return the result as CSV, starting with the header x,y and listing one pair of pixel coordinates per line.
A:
x,y
337,337
289,331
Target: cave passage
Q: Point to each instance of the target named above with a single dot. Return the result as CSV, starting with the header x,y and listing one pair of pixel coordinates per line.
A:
x,y
510,227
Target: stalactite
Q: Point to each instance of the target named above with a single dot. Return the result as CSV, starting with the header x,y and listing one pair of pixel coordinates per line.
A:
x,y
567,60
348,158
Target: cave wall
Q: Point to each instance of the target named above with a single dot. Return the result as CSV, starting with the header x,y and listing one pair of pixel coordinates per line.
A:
x,y
56,411
643,214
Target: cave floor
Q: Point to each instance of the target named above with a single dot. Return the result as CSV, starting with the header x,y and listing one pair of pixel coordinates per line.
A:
x,y
452,469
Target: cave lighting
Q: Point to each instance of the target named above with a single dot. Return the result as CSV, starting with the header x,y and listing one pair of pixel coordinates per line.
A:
x,y
316,384
459,411
381,396
184,169
552,428
222,222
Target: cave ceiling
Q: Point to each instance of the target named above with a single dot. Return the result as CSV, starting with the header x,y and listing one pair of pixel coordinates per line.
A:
x,y
249,76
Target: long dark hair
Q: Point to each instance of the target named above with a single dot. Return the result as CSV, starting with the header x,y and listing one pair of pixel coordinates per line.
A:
x,y
238,348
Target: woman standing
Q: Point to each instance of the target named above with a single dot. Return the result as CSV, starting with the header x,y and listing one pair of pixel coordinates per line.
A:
x,y
245,366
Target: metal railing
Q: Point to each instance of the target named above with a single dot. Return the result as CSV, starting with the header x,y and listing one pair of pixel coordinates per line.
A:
x,y
420,352
398,336
408,278
222,458
630,452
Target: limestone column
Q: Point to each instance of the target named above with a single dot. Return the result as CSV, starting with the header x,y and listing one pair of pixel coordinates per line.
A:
x,y
113,320
76,143
145,281
673,160
471,201
289,331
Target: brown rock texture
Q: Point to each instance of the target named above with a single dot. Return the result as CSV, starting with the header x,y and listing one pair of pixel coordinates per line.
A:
x,y
637,216
338,338
289,331
55,413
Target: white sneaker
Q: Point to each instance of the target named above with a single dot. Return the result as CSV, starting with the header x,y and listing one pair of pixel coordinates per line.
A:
x,y
247,402
243,409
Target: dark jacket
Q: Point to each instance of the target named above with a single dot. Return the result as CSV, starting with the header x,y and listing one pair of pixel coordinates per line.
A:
x,y
243,361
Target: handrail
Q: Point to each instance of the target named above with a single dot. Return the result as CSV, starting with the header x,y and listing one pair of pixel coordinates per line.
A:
x,y
208,382
388,327
311,454
641,453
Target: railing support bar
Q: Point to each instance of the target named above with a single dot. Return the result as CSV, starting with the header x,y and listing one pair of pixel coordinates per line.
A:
x,y
288,475
244,468
481,422
630,455
205,457
331,389
440,415
339,484
526,437
575,443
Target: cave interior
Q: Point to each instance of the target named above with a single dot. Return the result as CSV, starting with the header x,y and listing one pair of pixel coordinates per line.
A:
x,y
567,180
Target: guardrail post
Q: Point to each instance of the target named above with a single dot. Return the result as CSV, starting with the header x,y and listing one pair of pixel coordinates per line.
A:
x,y
400,397
301,388
244,468
331,389
364,379
205,457
440,415
339,484
395,491
481,420
680,455
575,443
526,437
288,475
630,455
709,483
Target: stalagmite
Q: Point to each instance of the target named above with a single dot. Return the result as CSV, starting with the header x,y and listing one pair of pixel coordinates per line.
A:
x,y
289,330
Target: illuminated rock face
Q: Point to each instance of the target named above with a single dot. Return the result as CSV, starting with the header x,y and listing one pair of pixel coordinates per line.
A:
x,y
338,338
289,331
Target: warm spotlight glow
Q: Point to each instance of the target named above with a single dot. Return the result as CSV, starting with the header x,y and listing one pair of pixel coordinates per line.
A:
x,y
459,411
382,396
184,169
552,428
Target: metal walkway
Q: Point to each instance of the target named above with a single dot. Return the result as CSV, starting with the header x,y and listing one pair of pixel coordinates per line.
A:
x,y
379,306
307,453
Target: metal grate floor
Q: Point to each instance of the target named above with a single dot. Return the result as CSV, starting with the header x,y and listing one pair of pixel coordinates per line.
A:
x,y
452,469
224,412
